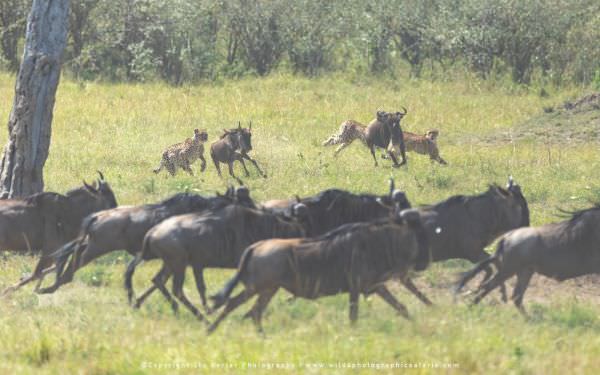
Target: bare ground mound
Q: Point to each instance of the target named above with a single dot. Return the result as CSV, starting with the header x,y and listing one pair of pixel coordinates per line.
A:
x,y
576,121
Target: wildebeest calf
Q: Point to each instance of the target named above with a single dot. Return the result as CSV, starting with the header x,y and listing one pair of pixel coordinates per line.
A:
x,y
561,251
234,144
354,258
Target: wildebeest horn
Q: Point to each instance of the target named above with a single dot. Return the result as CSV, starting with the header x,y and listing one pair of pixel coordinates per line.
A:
x,y
410,215
405,111
89,187
298,198
510,182
392,186
101,175
380,201
239,124
300,210
250,126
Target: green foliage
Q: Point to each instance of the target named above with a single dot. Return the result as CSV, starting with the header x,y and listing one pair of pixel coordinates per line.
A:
x,y
548,41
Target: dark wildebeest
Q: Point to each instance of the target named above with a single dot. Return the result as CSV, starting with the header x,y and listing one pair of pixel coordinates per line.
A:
x,y
234,145
354,258
216,239
561,251
385,132
333,207
45,221
124,228
472,222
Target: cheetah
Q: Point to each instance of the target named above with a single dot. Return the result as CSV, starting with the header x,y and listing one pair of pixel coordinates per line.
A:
x,y
423,144
348,132
183,154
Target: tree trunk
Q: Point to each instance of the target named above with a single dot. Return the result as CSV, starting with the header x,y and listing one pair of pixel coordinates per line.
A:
x,y
30,121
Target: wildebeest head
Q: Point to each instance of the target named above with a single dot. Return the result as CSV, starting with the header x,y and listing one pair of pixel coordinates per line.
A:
x,y
510,205
200,135
515,190
100,191
413,218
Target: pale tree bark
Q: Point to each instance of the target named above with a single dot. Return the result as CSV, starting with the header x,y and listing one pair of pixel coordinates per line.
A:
x,y
30,121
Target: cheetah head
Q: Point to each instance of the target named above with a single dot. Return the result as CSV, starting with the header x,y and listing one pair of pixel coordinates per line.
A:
x,y
200,135
432,134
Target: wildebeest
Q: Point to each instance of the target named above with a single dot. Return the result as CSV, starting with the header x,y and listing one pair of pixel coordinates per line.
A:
x,y
354,258
385,132
472,222
234,145
334,207
561,251
216,239
124,228
45,221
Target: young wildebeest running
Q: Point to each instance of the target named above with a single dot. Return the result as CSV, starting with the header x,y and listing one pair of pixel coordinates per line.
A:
x,y
561,251
216,239
354,258
472,222
124,228
45,221
234,144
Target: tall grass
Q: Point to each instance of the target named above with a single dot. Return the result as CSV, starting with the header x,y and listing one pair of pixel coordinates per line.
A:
x,y
122,130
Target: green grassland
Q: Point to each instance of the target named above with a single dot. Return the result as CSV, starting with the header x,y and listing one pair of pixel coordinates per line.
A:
x,y
122,129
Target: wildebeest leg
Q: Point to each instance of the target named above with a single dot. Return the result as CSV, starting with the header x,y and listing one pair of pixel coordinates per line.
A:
x,y
160,278
353,305
490,285
259,307
402,148
44,262
394,160
230,166
383,292
489,272
231,305
523,279
78,260
372,149
413,288
178,279
203,163
201,287
160,285
217,166
240,158
247,157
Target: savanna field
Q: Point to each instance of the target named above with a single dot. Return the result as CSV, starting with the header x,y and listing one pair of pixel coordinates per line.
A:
x,y
121,129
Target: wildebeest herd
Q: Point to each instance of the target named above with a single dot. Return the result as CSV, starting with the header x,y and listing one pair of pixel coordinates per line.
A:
x,y
333,242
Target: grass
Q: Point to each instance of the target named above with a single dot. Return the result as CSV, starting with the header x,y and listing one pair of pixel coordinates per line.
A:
x,y
122,129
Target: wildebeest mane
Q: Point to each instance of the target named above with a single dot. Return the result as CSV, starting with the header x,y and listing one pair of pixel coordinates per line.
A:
x,y
575,229
228,132
461,199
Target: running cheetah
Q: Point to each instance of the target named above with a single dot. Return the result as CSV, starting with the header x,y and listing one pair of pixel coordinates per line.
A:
x,y
183,154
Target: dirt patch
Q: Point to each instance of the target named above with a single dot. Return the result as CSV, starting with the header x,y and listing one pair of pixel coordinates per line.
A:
x,y
576,121
541,289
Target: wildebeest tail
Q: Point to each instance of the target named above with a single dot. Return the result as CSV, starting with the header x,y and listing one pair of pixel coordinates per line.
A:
x,y
222,296
467,276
